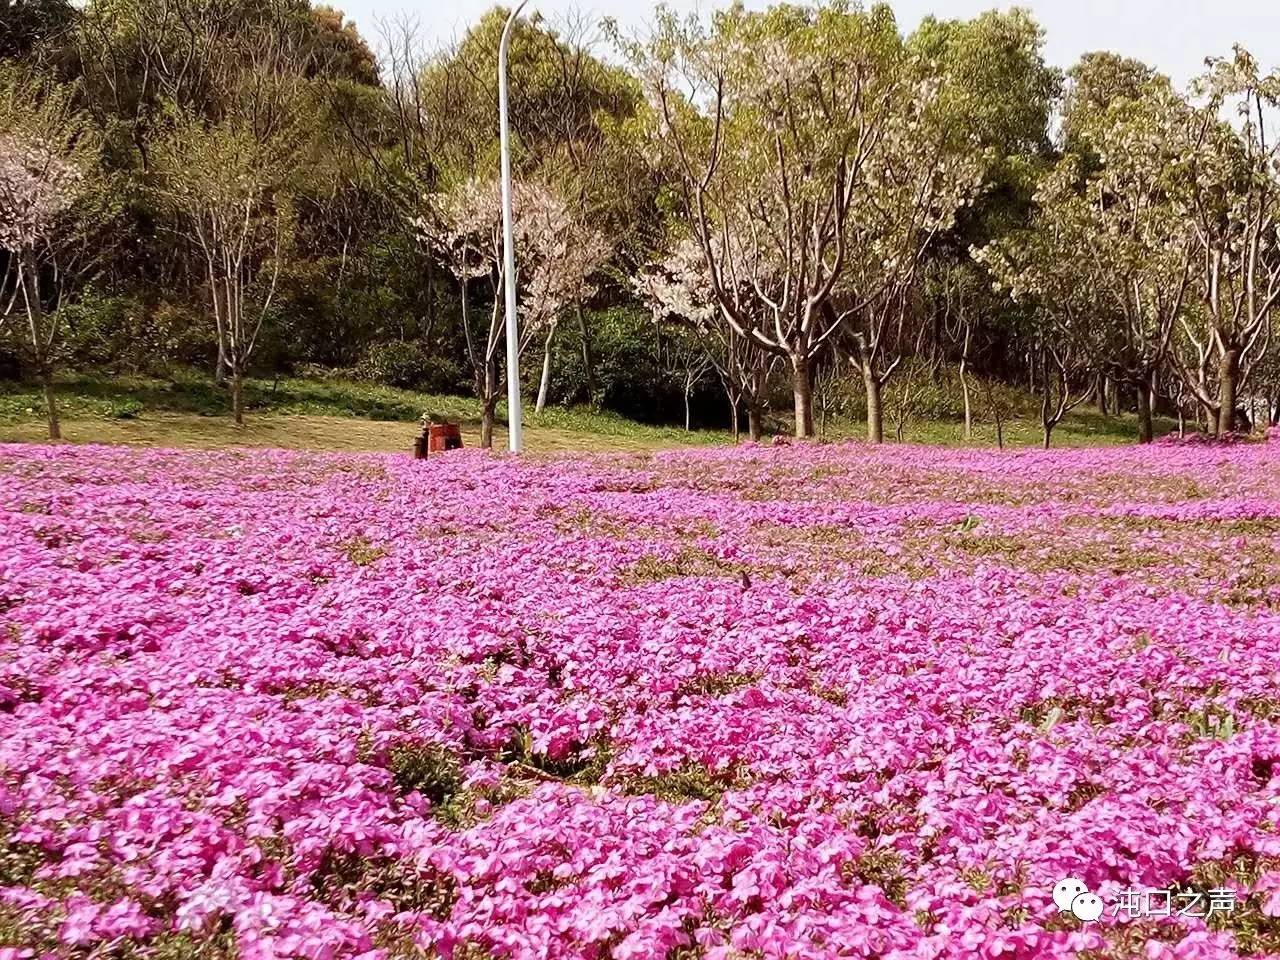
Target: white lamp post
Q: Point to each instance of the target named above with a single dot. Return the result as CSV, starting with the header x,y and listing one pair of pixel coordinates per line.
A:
x,y
515,432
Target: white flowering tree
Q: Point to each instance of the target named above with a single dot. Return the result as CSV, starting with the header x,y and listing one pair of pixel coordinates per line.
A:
x,y
555,259
569,255
47,170
678,289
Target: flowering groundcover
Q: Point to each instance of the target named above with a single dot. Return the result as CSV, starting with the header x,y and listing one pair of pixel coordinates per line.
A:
x,y
792,701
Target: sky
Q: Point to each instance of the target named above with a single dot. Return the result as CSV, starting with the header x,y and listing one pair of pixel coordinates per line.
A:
x,y
1174,36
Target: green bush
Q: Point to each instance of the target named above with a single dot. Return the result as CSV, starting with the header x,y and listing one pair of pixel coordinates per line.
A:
x,y
630,380
409,366
125,410
124,335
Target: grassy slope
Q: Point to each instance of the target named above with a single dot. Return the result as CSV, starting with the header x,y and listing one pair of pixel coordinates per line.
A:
x,y
303,414
191,411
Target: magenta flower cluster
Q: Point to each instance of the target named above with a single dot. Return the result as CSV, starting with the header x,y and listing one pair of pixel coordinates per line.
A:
x,y
765,702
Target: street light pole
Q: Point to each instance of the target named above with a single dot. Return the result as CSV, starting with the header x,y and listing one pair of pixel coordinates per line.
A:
x,y
515,431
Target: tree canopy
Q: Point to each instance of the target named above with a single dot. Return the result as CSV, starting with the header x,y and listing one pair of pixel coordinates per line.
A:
x,y
802,192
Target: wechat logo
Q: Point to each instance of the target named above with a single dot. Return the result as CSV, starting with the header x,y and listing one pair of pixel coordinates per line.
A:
x,y
1073,897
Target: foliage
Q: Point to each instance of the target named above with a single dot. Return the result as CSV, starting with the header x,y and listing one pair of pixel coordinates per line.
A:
x,y
831,172
117,333
998,86
32,24
815,166
409,365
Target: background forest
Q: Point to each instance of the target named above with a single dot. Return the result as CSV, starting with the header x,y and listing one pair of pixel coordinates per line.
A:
x,y
759,220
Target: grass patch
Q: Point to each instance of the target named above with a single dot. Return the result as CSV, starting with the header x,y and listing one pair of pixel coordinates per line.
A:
x,y
361,552
715,684
428,768
585,765
1080,428
879,867
688,562
191,410
688,783
89,396
346,878
19,861
1255,933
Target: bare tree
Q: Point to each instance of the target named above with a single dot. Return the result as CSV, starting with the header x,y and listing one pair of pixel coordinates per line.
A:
x,y
997,407
1059,390
745,372
682,356
227,187
959,323
572,252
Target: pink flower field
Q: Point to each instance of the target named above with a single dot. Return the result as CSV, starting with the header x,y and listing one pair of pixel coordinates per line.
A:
x,y
767,702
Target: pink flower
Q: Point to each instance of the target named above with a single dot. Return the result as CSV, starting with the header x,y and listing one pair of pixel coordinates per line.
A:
x,y
264,690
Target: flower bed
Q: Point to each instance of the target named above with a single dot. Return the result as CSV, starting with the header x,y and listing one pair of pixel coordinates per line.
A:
x,y
780,702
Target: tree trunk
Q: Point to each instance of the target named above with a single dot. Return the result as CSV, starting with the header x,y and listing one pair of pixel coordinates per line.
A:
x,y
544,385
51,405
733,419
489,403
875,406
755,422
1145,431
1228,380
237,395
431,301
802,388
1047,420
688,414
588,357
1100,394
968,407
41,347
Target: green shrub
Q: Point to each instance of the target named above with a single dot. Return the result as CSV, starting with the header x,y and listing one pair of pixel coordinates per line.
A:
x,y
629,377
125,335
410,366
125,410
